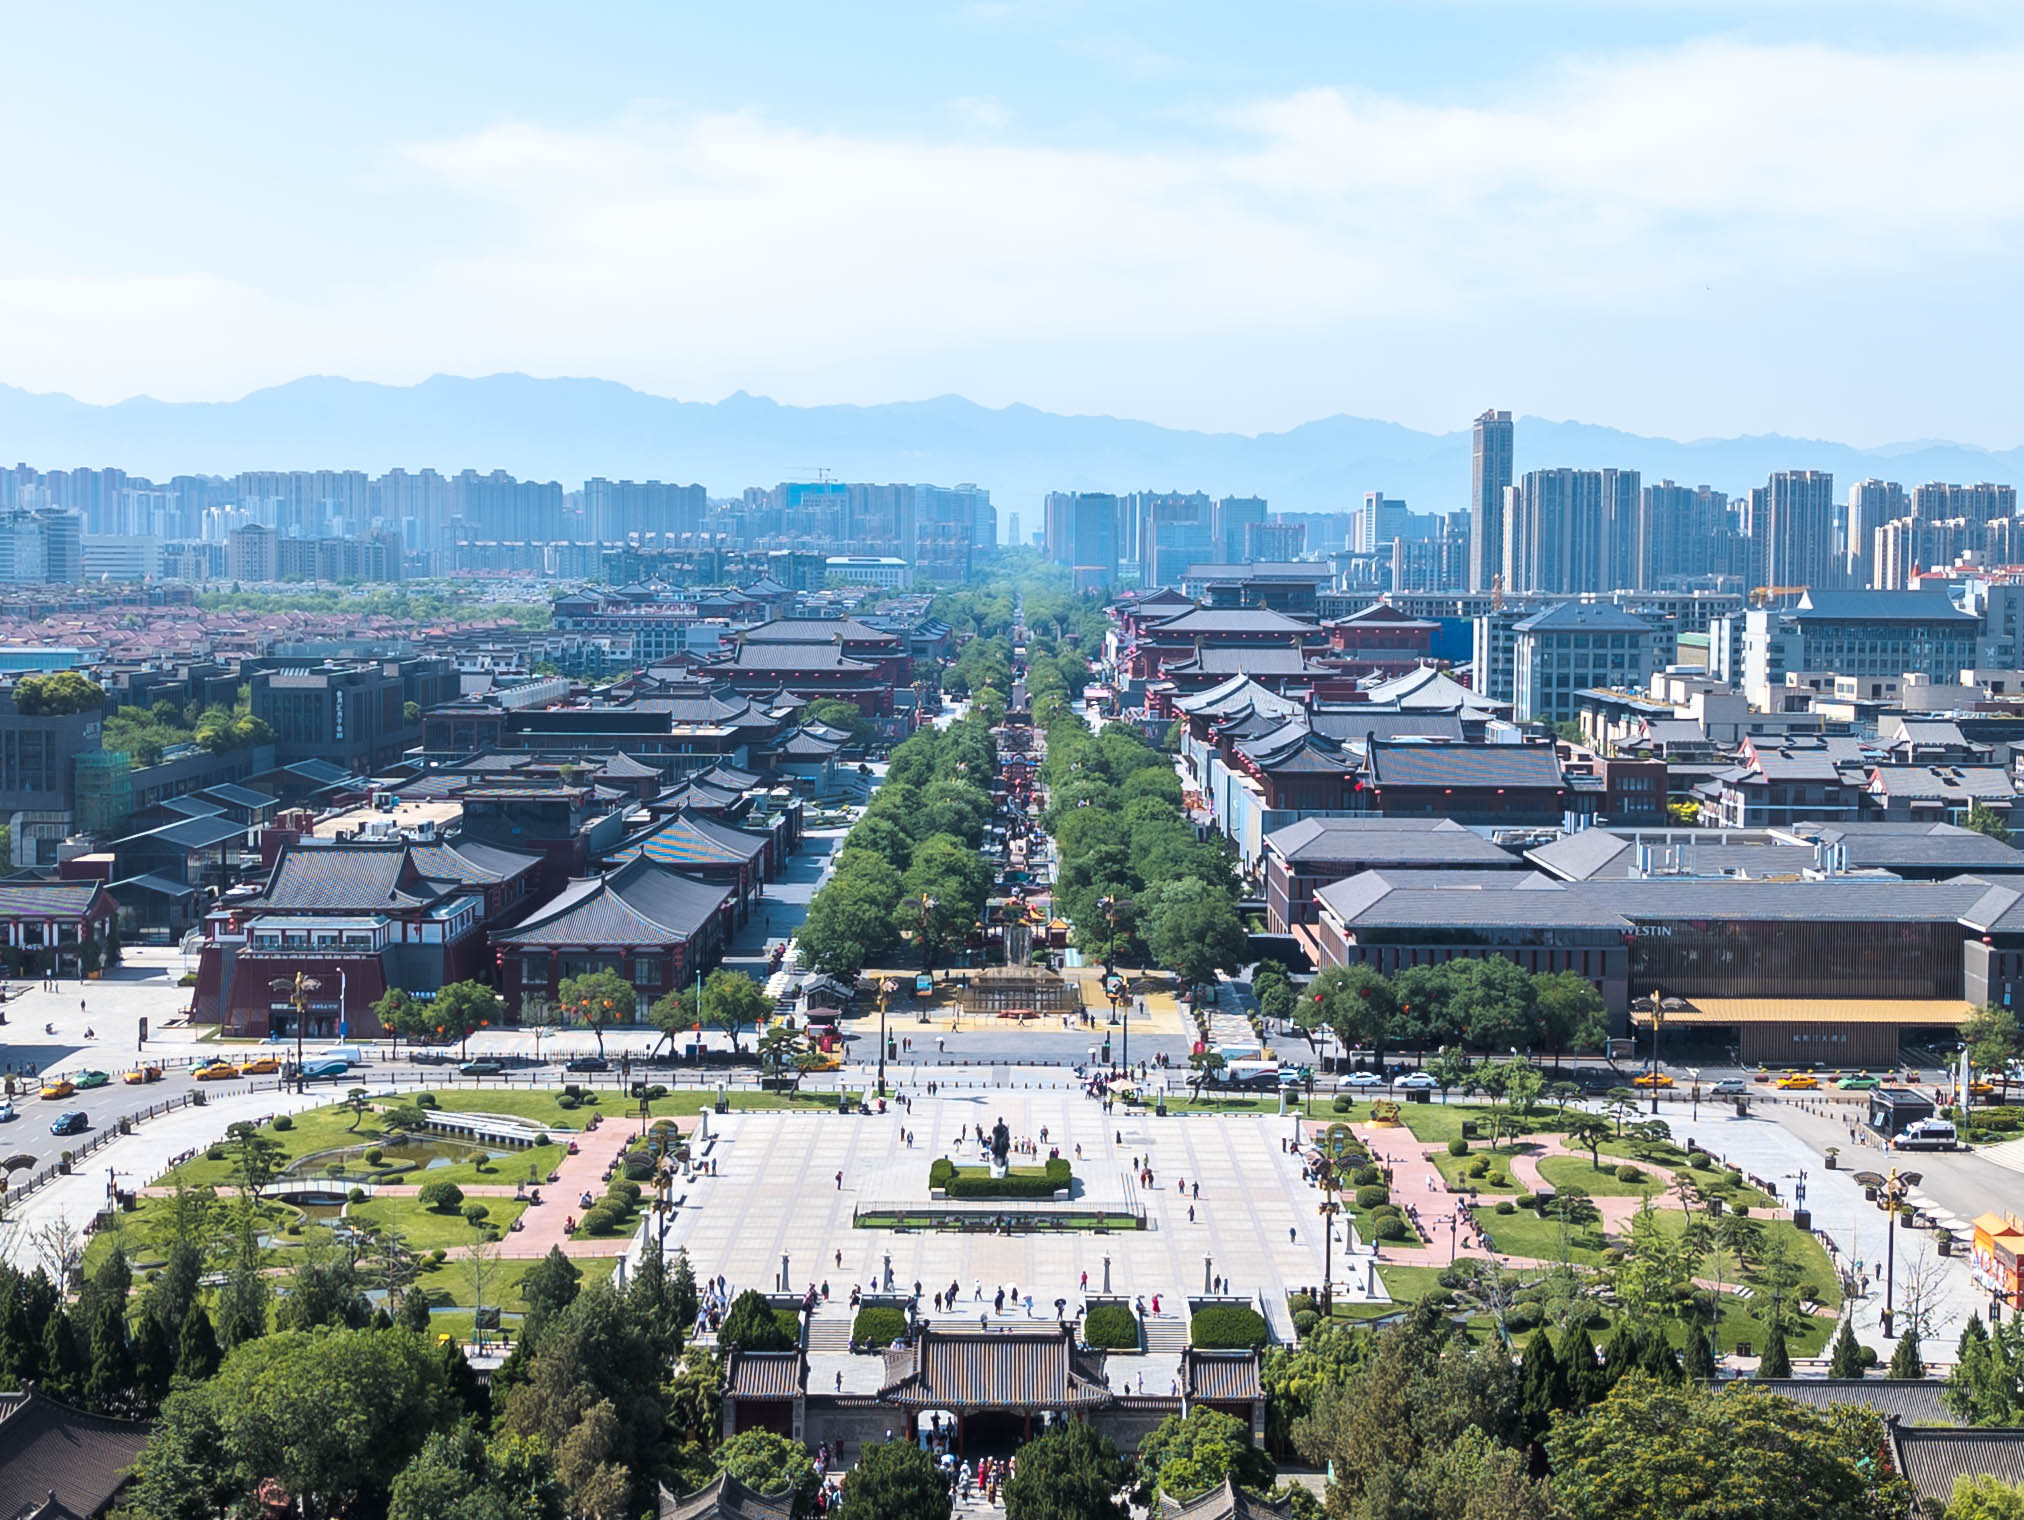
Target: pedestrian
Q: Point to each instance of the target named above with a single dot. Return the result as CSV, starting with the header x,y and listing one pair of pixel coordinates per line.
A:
x,y
839,1182
1191,1213
839,1260
1292,1234
1197,1185
1085,1281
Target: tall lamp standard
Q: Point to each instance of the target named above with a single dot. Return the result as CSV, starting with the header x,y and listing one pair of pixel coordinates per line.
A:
x,y
1894,1188
1658,1023
1695,1073
886,987
297,989
1114,986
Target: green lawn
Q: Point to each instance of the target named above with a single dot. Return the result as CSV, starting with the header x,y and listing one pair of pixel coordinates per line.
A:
x,y
147,1231
451,1283
1523,1233
1579,1172
1408,1285
1456,1170
425,1229
1443,1121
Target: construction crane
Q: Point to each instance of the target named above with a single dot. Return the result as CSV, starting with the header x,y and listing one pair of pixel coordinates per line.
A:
x,y
1764,595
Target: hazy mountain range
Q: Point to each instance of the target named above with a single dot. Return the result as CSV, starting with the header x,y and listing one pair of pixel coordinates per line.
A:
x,y
569,429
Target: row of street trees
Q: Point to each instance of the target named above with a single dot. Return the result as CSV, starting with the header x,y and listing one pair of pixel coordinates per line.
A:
x,y
1483,1004
910,872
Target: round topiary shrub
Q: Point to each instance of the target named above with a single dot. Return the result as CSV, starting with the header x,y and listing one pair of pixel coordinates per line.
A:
x,y
215,1153
1305,1321
1739,1208
1506,1206
1370,1197
476,1214
426,1100
626,1194
283,1123
1343,1104
1390,1227
600,1219
1701,1161
356,1195
1628,1173
1368,1176
1458,1147
1480,1167
590,1097
438,1256
375,1156
1113,1327
443,1197
656,1092
565,1100
1295,1302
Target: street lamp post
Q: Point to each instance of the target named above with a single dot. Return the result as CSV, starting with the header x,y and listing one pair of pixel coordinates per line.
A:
x,y
1658,1021
1453,1220
886,987
297,989
1695,1073
1895,1186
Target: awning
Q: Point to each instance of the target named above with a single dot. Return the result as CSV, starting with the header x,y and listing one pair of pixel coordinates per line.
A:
x,y
1708,1010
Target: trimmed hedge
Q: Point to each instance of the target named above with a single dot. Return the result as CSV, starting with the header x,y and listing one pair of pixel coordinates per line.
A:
x,y
443,1197
1111,1326
1227,1327
1020,1182
1371,1197
1458,1147
877,1326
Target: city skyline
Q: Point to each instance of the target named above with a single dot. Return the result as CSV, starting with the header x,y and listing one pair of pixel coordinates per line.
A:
x,y
1528,205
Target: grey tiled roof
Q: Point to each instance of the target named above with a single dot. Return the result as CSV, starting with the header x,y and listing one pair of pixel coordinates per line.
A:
x,y
49,1452
1226,1501
1912,1402
725,1498
1353,725
985,1370
1944,783
1471,765
467,862
351,877
194,833
1242,659
640,903
47,899
1879,607
1381,842
1206,620
1933,1459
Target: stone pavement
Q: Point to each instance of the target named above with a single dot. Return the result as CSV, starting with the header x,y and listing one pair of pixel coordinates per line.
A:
x,y
776,1194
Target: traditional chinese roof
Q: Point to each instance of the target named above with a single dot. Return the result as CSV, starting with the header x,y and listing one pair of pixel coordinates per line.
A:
x,y
48,899
725,1498
1220,1376
641,903
690,839
57,1463
467,863
1470,765
765,1374
1225,1501
352,877
994,1370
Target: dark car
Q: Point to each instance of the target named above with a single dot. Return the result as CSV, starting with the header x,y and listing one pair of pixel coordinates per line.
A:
x,y
481,1068
72,1123
587,1063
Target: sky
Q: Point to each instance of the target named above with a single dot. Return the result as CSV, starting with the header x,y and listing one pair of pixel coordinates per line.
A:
x,y
1694,219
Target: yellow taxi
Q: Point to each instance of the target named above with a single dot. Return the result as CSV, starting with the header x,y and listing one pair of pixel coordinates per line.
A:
x,y
1980,1089
58,1087
1798,1081
141,1074
217,1071
1647,1079
260,1066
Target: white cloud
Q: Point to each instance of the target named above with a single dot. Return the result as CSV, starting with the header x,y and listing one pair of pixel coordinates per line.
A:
x,y
698,254
981,112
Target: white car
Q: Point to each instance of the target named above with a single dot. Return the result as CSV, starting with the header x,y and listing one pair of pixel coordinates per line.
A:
x,y
1363,1079
6,1110
1415,1081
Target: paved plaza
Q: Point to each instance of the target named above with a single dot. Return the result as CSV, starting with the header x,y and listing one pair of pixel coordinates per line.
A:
x,y
775,1194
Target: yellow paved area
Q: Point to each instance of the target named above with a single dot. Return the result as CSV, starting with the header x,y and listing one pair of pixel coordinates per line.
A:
x,y
1162,1014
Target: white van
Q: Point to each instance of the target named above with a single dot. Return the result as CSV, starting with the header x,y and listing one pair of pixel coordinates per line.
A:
x,y
349,1053
1928,1135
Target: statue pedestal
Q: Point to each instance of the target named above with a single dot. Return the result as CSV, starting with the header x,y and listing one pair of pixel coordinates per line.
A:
x,y
999,1167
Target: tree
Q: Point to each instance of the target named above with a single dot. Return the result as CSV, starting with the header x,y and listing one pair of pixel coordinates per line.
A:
x,y
324,1290
1986,1386
57,694
896,1480
1192,929
1906,1363
1188,1455
1208,1063
1991,1036
549,1287
1656,1451
1589,1132
1070,1473
1450,1069
1985,820
849,924
197,1354
674,1013
331,1415
731,1000
771,1464
1568,1013
255,1157
1357,1004
400,1013
1776,1362
1492,1000
1846,1361
1985,1498
750,1325
460,1475
461,1009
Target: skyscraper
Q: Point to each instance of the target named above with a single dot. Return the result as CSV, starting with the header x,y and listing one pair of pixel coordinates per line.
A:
x,y
1871,504
1489,474
1622,524
1797,530
1553,532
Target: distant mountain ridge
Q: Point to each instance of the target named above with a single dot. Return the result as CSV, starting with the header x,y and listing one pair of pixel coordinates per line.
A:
x,y
568,429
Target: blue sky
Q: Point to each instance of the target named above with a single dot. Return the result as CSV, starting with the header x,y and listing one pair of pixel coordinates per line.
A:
x,y
1687,219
